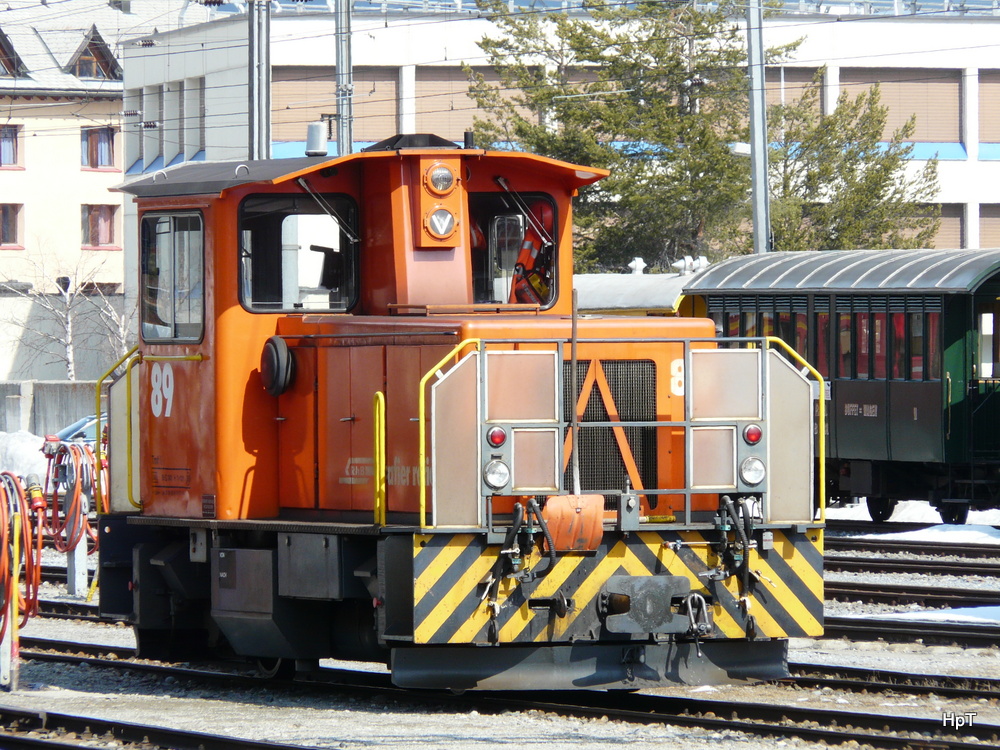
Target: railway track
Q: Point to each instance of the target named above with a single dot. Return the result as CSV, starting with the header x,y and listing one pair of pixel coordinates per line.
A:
x,y
854,526
30,729
762,719
804,675
965,634
858,679
902,594
923,566
854,544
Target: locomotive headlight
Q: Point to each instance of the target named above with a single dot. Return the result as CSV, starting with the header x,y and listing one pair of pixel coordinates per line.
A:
x,y
440,179
752,471
496,474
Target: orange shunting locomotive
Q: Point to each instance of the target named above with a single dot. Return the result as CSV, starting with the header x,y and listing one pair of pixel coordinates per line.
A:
x,y
364,422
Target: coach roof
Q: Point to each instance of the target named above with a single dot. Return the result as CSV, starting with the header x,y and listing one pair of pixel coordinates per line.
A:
x,y
888,271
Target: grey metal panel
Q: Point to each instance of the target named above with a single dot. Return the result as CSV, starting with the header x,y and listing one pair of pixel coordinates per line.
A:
x,y
455,459
859,410
790,449
309,566
916,421
625,665
851,271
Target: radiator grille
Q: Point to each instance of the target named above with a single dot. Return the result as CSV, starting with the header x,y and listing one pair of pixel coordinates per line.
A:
x,y
633,388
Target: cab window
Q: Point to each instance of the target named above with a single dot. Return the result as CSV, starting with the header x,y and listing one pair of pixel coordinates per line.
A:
x,y
172,261
513,248
298,253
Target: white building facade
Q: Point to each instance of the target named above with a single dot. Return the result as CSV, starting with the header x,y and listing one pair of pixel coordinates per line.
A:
x,y
408,77
61,151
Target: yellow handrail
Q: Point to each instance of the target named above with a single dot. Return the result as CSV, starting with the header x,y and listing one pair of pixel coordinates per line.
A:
x,y
378,407
172,357
821,417
422,401
97,434
128,432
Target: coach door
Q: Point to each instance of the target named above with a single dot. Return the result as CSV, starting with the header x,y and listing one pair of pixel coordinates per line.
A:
x,y
916,416
984,440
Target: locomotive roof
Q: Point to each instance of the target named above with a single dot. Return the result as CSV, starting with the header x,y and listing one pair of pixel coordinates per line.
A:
x,y
851,271
214,177
206,177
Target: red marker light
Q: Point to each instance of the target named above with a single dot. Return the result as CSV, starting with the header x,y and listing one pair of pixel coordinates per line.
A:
x,y
497,436
752,434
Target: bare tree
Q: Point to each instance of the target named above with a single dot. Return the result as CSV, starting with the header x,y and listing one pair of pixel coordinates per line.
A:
x,y
70,314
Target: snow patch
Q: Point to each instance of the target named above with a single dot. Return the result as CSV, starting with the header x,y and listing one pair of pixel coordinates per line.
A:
x,y
21,454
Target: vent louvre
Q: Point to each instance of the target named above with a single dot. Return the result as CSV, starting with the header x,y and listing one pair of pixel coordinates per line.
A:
x,y
633,389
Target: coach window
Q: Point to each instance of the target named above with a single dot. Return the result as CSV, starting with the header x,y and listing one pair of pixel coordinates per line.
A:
x,y
880,345
933,341
172,262
298,253
897,345
823,343
862,324
732,323
844,343
916,346
767,324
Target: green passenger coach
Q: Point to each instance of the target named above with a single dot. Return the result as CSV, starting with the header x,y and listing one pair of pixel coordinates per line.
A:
x,y
909,341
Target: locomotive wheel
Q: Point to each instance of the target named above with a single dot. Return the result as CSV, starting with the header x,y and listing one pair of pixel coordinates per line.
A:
x,y
954,513
271,668
880,508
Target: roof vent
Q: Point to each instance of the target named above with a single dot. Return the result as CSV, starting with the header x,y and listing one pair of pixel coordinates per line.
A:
x,y
411,140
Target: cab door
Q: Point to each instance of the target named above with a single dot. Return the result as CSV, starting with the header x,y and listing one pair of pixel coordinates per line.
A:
x,y
176,386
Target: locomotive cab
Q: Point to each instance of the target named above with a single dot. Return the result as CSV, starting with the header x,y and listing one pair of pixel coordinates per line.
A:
x,y
364,422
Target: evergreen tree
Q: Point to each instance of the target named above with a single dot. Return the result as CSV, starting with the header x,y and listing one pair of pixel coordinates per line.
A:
x,y
838,184
657,92
654,91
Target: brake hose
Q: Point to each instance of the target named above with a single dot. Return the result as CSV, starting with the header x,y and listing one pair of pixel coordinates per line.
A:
x,y
744,543
537,512
508,541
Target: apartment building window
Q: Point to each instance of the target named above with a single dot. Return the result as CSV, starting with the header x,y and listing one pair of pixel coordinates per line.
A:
x,y
96,62
933,96
98,225
10,216
97,147
10,142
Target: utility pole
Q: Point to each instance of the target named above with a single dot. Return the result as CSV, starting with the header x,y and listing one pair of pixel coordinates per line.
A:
x,y
259,79
345,79
758,128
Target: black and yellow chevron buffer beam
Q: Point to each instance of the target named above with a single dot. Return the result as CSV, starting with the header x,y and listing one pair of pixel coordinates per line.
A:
x,y
452,573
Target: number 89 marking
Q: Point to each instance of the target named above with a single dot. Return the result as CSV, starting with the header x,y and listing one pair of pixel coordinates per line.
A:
x,y
161,394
